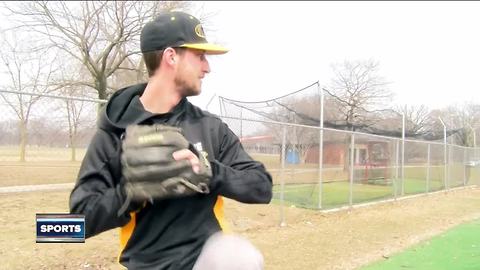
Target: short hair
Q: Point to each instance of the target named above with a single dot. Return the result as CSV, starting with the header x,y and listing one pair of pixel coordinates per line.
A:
x,y
154,58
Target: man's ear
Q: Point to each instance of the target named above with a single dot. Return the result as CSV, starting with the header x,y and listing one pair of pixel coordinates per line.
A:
x,y
169,56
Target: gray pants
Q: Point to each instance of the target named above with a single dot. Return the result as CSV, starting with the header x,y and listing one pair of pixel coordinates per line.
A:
x,y
229,252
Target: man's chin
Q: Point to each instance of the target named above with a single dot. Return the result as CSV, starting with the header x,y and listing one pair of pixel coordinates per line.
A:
x,y
192,92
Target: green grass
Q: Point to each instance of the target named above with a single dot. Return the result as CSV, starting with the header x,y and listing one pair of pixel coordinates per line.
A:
x,y
337,194
334,194
458,248
415,186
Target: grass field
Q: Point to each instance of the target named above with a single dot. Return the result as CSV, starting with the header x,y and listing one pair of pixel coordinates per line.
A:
x,y
458,248
337,193
302,189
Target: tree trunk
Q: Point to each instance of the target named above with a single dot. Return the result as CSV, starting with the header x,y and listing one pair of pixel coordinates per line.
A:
x,y
101,86
140,70
23,140
71,130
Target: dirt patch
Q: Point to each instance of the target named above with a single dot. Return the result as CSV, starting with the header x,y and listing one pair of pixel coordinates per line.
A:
x,y
311,239
350,239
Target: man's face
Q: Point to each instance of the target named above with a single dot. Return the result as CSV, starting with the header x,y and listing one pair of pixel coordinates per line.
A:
x,y
192,67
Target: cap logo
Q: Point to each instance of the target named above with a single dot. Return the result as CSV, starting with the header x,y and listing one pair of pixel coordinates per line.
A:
x,y
199,31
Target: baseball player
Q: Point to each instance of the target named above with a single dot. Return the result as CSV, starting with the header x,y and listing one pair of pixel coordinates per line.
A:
x,y
158,166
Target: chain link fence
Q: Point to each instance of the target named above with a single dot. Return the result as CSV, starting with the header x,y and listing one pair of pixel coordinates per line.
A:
x,y
44,138
356,168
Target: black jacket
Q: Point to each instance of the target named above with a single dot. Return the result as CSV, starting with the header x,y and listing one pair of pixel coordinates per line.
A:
x,y
167,234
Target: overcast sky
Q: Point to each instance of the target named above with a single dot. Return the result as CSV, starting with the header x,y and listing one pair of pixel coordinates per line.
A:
x,y
429,51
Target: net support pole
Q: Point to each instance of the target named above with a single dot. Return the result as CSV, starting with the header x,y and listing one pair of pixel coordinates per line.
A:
x,y
320,150
222,106
210,101
352,150
428,168
282,178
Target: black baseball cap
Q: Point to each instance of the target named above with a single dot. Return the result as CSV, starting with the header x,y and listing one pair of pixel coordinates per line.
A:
x,y
176,29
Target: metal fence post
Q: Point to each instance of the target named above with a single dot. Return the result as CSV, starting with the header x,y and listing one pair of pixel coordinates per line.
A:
x,y
395,181
444,154
282,179
352,150
445,178
428,169
320,152
449,165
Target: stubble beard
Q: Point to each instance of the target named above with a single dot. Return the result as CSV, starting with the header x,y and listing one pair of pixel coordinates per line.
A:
x,y
185,88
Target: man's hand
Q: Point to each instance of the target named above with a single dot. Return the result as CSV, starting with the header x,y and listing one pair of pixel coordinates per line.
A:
x,y
186,154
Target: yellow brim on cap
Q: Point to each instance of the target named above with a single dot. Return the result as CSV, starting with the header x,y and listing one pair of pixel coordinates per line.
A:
x,y
207,47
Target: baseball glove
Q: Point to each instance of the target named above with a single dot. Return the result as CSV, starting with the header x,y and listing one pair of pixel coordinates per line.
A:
x,y
149,169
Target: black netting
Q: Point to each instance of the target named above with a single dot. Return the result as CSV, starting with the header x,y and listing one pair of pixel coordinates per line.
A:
x,y
303,107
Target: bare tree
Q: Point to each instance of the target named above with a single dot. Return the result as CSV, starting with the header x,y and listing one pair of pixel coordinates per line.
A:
x,y
26,71
472,113
416,118
101,35
460,118
75,110
359,92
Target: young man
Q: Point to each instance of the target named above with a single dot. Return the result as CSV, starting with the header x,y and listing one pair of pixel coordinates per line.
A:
x,y
171,233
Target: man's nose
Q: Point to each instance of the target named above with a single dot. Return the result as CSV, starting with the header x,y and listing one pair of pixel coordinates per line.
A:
x,y
206,66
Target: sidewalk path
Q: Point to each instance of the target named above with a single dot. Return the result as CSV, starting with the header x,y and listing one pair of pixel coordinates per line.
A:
x,y
29,188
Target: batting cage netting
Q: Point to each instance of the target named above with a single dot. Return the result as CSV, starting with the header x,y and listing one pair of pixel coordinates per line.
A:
x,y
350,160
